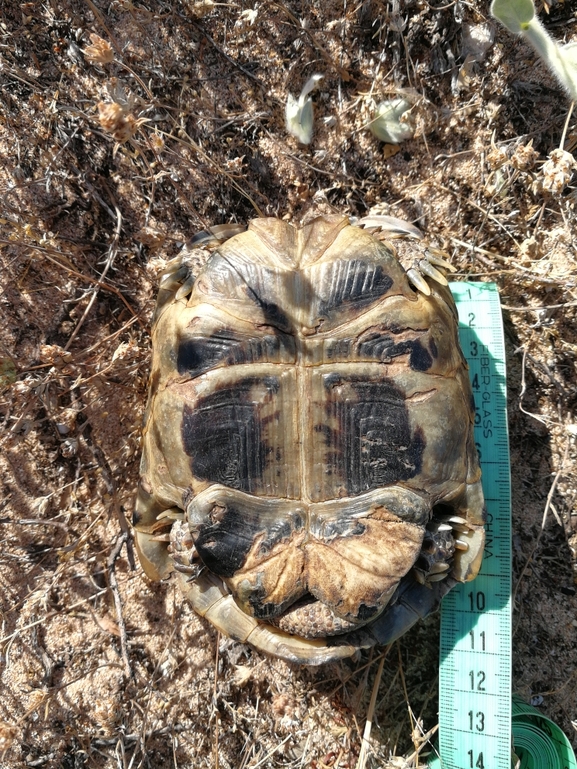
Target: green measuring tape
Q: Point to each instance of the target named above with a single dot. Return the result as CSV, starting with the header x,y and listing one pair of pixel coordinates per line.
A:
x,y
477,715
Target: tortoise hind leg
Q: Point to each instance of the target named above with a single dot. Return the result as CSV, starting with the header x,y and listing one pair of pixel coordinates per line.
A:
x,y
411,603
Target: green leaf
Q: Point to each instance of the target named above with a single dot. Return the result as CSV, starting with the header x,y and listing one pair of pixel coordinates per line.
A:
x,y
569,54
387,124
516,15
299,112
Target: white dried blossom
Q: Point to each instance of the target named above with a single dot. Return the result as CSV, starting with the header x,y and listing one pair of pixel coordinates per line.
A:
x,y
247,18
557,171
477,40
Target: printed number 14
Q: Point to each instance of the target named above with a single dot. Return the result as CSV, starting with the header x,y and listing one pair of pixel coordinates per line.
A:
x,y
479,763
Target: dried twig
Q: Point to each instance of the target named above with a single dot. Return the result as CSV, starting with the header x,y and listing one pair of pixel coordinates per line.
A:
x,y
113,583
365,744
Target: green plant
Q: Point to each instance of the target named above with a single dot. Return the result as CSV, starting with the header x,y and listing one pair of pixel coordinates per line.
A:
x,y
520,19
393,122
299,112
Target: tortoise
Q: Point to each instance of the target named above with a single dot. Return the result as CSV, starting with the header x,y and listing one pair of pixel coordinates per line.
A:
x,y
309,471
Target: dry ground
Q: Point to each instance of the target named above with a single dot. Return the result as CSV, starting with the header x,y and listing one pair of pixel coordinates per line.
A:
x,y
84,219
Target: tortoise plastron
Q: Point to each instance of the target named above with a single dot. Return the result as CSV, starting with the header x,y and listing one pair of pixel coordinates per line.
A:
x,y
309,470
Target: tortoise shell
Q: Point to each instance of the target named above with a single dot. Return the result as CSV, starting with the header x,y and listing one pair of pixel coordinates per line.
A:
x,y
309,469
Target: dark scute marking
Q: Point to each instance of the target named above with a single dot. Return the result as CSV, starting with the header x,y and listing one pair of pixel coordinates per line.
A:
x,y
273,314
222,435
277,533
136,517
354,282
373,447
433,348
264,610
267,611
378,346
199,354
223,546
339,350
343,528
366,612
332,380
420,359
271,382
236,279
331,440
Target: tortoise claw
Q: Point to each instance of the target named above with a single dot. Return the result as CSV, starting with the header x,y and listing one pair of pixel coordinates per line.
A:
x,y
176,283
427,268
186,288
418,281
437,257
172,278
177,278
216,235
427,265
391,226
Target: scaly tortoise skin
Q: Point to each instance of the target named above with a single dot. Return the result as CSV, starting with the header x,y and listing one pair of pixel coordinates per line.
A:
x,y
309,471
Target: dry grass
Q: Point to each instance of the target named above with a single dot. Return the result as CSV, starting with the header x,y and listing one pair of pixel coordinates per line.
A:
x,y
172,120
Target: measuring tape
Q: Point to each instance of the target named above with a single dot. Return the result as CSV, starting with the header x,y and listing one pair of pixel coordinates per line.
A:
x,y
475,703
475,669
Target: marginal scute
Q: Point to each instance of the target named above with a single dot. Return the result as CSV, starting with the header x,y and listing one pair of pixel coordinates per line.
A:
x,y
309,471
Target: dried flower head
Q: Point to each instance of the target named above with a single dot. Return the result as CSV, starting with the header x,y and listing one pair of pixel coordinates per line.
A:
x,y
115,119
150,237
496,157
557,171
156,142
100,52
247,17
8,734
202,7
524,157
